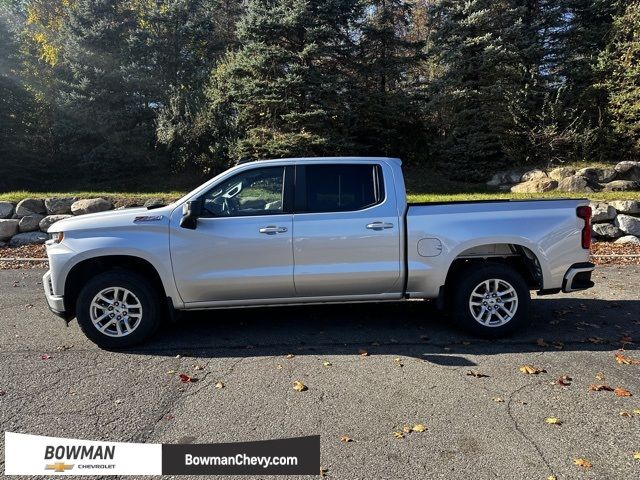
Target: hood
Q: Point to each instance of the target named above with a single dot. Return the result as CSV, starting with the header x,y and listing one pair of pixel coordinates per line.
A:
x,y
113,218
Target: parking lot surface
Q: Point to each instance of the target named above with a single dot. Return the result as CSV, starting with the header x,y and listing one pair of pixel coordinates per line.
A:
x,y
369,369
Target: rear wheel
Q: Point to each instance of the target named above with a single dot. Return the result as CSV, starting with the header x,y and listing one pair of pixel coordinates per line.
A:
x,y
117,309
491,300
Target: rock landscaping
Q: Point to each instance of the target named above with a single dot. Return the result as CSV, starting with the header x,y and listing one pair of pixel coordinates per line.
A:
x,y
28,221
625,176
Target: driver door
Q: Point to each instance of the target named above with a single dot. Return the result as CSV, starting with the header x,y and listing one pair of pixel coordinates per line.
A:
x,y
241,248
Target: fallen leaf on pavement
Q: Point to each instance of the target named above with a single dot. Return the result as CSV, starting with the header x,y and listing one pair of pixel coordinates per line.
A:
x,y
299,386
636,455
198,367
636,411
326,364
279,366
419,427
625,414
345,439
600,388
406,428
323,471
498,399
363,353
219,385
582,462
398,434
531,370
168,417
471,373
184,378
553,421
170,372
564,381
289,355
552,477
600,376
45,356
622,392
398,361
624,360
63,348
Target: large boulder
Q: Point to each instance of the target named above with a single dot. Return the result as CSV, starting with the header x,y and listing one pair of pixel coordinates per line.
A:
x,y
28,238
90,205
505,178
602,212
597,175
629,239
559,173
49,220
30,223
606,231
6,209
628,170
8,228
535,186
626,206
29,206
628,224
158,202
620,186
575,183
59,206
533,175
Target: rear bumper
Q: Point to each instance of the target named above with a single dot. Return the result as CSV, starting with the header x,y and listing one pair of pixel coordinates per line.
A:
x,y
578,277
55,302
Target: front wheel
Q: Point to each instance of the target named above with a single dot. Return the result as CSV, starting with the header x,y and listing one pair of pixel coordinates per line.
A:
x,y
491,300
117,309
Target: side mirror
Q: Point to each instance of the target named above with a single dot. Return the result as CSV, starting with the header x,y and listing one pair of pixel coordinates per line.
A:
x,y
190,213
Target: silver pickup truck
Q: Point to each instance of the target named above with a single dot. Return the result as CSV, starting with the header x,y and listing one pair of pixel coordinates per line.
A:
x,y
313,230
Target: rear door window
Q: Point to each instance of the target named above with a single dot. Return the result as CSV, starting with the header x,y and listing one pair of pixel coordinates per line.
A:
x,y
341,188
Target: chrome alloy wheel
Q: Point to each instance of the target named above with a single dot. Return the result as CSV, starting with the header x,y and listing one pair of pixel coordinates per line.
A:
x,y
116,311
493,302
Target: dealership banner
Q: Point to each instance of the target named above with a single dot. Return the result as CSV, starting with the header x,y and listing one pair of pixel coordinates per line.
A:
x,y
40,455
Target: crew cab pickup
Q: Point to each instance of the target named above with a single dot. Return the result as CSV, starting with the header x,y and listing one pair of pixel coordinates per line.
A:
x,y
313,230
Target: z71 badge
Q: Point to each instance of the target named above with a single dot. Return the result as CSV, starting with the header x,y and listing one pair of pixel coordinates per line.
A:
x,y
148,218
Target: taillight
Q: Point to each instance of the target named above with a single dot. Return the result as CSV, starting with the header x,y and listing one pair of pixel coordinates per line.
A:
x,y
585,214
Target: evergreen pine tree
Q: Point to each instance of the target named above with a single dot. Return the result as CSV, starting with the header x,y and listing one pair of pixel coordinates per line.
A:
x,y
287,87
107,104
483,68
621,64
388,93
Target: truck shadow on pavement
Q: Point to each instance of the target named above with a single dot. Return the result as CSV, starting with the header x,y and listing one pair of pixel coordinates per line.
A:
x,y
412,329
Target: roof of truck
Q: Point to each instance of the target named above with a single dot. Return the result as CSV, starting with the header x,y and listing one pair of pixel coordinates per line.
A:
x,y
316,159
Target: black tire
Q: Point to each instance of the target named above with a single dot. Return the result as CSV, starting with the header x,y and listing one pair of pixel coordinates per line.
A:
x,y
150,301
465,284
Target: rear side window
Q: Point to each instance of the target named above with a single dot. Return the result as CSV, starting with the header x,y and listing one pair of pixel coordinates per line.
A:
x,y
341,188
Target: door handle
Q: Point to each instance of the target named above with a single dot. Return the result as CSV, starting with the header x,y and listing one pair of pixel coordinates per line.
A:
x,y
272,230
379,225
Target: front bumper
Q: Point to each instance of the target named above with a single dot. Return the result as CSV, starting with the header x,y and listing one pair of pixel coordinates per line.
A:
x,y
578,277
55,302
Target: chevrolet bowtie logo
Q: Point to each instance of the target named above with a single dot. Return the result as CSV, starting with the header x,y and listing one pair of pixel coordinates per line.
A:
x,y
58,467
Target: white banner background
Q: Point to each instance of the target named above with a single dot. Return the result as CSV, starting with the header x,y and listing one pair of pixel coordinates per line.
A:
x,y
25,455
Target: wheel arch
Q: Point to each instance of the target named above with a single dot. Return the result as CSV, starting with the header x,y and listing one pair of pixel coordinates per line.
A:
x,y
81,272
521,258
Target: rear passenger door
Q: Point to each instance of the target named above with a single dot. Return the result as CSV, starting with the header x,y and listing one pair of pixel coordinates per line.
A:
x,y
346,235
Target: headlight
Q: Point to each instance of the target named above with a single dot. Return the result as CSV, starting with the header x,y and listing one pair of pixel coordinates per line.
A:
x,y
55,237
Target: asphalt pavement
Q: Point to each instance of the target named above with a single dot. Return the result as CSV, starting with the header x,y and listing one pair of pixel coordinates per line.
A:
x,y
417,370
